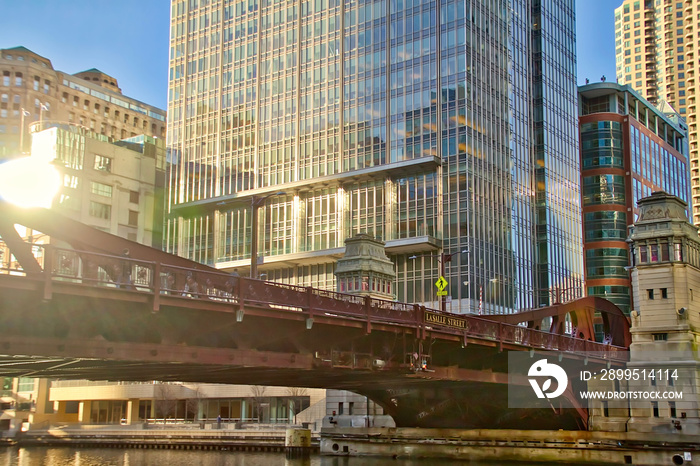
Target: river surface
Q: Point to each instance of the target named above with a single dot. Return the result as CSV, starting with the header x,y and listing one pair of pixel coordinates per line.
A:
x,y
67,456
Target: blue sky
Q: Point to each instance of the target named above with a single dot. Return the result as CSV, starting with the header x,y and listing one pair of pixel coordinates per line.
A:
x,y
595,39
128,39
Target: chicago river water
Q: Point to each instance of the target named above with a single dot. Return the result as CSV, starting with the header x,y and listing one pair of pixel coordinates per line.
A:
x,y
67,456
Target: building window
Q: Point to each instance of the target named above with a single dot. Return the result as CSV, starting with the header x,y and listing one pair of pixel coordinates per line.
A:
x,y
660,336
134,197
655,408
18,79
606,412
672,408
100,189
340,408
72,407
103,163
26,384
650,294
133,218
99,210
664,293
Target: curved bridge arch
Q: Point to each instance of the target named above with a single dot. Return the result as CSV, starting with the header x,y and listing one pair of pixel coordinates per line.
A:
x,y
581,312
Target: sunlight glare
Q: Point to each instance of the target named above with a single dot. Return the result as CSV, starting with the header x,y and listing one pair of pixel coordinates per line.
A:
x,y
29,182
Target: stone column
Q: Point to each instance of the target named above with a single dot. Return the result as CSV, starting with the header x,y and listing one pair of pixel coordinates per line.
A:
x,y
132,411
84,412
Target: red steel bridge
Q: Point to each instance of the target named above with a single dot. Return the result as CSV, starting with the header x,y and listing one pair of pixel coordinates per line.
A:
x,y
89,305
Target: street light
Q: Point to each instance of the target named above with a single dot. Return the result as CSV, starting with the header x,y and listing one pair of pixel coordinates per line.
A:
x,y
256,202
558,292
442,258
555,294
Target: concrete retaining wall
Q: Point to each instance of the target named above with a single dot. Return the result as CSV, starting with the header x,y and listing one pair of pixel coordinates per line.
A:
x,y
562,447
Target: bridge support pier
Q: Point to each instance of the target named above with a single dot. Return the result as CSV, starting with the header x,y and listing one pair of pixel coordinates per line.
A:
x,y
297,443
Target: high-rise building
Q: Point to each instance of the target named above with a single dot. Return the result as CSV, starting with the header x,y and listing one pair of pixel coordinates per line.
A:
x,y
436,126
31,91
629,149
655,54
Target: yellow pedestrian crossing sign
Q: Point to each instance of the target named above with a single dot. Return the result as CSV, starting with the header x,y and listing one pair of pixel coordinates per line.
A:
x,y
441,284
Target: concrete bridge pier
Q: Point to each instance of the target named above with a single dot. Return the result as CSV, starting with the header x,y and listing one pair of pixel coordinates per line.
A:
x,y
297,443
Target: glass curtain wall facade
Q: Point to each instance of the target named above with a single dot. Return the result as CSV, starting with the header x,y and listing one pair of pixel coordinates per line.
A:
x,y
629,149
412,121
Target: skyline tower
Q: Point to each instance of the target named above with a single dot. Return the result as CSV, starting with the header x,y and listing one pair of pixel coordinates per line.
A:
x,y
655,54
629,150
437,127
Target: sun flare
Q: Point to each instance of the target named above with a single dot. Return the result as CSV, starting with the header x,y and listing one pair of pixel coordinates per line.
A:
x,y
29,182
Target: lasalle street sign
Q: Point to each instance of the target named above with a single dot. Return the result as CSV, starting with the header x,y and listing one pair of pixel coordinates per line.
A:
x,y
447,321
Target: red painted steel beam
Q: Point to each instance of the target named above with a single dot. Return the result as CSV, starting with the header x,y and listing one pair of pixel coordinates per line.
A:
x,y
85,238
19,248
582,312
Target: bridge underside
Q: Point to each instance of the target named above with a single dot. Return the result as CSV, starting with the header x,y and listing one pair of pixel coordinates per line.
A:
x,y
412,400
112,334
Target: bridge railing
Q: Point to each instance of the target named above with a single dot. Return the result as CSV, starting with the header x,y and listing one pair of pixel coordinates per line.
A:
x,y
9,263
97,269
476,326
393,311
132,274
196,284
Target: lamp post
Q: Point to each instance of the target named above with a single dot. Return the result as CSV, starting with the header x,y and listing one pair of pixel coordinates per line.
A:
x,y
21,130
558,292
256,202
442,258
555,294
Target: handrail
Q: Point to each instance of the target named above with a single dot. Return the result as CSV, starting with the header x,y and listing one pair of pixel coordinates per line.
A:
x,y
132,274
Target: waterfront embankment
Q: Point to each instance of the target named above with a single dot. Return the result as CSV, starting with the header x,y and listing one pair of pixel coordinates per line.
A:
x,y
558,447
269,439
552,447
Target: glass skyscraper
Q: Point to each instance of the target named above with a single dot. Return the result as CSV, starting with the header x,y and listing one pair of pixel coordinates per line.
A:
x,y
435,126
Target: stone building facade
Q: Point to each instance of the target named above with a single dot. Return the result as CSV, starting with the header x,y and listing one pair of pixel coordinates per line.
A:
x,y
665,272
